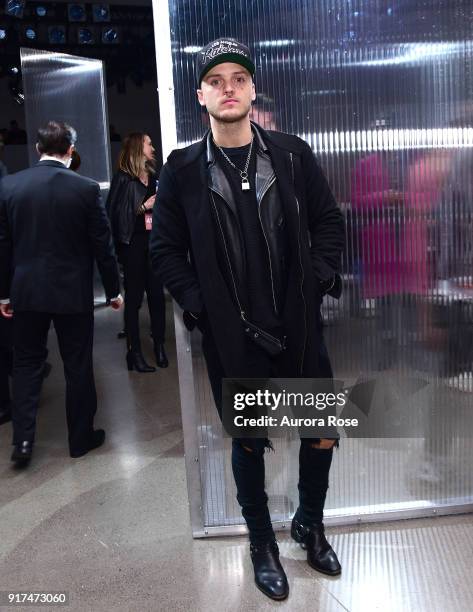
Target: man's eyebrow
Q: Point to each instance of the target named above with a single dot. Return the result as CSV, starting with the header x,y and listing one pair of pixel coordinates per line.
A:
x,y
218,74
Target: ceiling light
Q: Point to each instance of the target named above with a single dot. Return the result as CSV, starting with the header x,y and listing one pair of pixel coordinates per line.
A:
x,y
15,8
76,12
101,12
57,35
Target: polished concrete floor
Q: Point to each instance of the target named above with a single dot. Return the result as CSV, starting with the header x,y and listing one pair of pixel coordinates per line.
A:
x,y
112,528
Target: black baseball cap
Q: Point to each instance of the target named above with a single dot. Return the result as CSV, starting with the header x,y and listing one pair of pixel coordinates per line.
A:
x,y
220,51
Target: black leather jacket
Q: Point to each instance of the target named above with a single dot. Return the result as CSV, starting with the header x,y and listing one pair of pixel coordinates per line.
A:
x,y
232,250
125,197
232,255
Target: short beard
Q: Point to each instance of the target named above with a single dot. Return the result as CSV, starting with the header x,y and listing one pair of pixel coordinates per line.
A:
x,y
234,119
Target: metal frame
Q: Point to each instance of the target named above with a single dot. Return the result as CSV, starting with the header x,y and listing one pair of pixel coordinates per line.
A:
x,y
189,421
331,519
167,111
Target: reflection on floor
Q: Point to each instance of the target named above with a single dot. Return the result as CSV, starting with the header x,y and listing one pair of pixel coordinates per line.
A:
x,y
112,528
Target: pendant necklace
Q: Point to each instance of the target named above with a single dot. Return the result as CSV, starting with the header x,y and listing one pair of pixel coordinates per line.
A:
x,y
245,183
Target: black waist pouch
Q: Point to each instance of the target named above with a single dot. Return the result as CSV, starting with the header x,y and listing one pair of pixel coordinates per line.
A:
x,y
269,343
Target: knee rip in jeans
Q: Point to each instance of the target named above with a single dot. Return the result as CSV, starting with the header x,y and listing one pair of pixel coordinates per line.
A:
x,y
324,444
257,448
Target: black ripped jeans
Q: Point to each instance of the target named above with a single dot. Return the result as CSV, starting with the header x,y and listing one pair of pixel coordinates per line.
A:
x,y
248,454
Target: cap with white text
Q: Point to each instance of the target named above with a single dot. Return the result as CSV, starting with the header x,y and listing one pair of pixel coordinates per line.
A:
x,y
220,51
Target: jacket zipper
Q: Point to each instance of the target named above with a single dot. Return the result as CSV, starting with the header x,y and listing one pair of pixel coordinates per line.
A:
x,y
267,243
242,312
302,267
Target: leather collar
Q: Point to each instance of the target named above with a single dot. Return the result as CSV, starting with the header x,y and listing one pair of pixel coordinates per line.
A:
x,y
259,141
218,182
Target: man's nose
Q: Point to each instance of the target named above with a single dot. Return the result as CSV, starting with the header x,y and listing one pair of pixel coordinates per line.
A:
x,y
228,86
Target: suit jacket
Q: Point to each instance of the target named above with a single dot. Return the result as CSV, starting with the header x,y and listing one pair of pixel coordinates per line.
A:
x,y
53,225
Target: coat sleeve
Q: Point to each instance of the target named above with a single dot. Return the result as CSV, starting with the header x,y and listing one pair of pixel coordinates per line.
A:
x,y
101,238
5,248
325,220
115,196
170,246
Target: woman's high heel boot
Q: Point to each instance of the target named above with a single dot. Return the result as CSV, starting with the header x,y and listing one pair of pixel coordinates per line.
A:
x,y
161,357
136,361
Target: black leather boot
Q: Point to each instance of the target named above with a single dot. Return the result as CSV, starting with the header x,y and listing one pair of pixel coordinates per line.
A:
x,y
136,361
96,439
270,577
161,357
320,555
22,453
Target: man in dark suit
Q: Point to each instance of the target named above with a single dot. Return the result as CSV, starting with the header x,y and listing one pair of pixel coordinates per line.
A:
x,y
53,225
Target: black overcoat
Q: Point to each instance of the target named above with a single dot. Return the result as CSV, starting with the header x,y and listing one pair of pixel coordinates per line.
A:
x,y
183,250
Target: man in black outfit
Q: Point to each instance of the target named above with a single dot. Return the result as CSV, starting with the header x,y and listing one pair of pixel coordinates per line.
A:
x,y
247,235
53,225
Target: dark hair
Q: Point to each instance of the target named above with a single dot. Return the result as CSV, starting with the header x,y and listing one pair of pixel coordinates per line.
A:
x,y
75,161
55,138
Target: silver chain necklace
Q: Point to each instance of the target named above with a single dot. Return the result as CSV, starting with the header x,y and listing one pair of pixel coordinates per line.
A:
x,y
245,183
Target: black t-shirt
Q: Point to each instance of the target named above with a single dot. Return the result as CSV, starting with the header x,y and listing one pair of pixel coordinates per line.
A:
x,y
258,273
145,193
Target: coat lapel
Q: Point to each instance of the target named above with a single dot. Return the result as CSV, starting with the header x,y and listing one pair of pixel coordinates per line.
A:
x,y
281,162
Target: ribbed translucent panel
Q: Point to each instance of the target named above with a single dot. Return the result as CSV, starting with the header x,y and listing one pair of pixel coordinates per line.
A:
x,y
382,91
68,88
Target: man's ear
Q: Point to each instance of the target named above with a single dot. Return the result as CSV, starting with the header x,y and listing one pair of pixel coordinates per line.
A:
x,y
200,97
37,150
253,93
69,151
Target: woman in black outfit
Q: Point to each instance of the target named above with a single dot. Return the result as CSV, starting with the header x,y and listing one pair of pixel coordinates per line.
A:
x,y
130,203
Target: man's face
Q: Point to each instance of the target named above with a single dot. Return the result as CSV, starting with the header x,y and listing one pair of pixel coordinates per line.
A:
x,y
227,91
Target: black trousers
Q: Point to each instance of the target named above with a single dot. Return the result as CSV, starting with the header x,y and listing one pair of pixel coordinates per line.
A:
x,y
75,334
138,278
6,358
248,465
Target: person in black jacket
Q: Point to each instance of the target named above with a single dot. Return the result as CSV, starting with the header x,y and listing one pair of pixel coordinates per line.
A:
x,y
129,205
53,225
246,229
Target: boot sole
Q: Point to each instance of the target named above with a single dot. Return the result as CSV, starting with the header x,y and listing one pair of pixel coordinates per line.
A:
x,y
21,462
275,597
327,573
